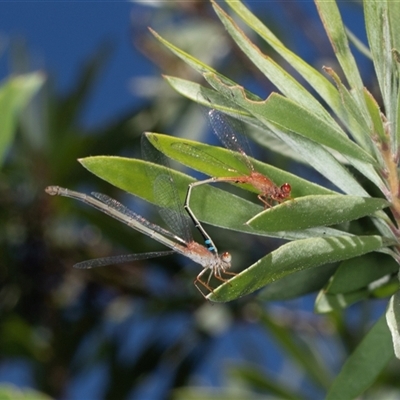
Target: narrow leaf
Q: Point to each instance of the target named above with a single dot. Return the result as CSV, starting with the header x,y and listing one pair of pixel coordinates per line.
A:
x,y
365,364
14,95
317,81
208,203
376,116
394,17
393,321
292,257
210,98
219,162
131,175
361,128
396,132
386,288
333,24
379,39
298,284
355,154
322,160
289,115
358,44
309,211
192,61
327,302
272,70
359,272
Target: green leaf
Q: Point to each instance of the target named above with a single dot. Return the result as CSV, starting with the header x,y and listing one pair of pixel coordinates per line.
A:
x,y
394,16
321,159
327,302
376,116
209,203
361,128
12,392
209,97
265,135
358,44
379,38
357,279
396,132
306,212
394,112
292,257
386,288
212,99
293,117
298,284
192,61
14,95
272,70
367,170
364,365
125,173
324,162
304,131
317,81
220,162
359,272
333,24
131,175
393,321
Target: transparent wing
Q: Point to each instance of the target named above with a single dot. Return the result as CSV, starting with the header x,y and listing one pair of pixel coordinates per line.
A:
x,y
116,205
231,134
113,260
165,192
197,153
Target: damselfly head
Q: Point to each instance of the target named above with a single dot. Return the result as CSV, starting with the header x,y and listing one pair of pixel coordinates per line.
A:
x,y
285,190
226,258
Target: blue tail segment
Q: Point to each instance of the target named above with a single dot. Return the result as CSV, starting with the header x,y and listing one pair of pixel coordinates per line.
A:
x,y
209,245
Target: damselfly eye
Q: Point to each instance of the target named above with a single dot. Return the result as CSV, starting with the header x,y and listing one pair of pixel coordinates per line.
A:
x,y
286,188
226,257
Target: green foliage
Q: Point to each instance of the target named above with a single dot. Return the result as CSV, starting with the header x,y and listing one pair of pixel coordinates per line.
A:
x,y
359,371
342,242
41,138
324,227
15,93
10,392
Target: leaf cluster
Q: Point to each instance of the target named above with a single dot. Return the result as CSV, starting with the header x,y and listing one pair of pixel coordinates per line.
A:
x,y
355,228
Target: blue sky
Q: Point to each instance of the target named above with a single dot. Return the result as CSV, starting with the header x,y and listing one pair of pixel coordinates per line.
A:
x,y
60,36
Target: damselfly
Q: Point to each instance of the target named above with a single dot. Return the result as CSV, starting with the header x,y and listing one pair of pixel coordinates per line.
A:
x,y
268,190
173,214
